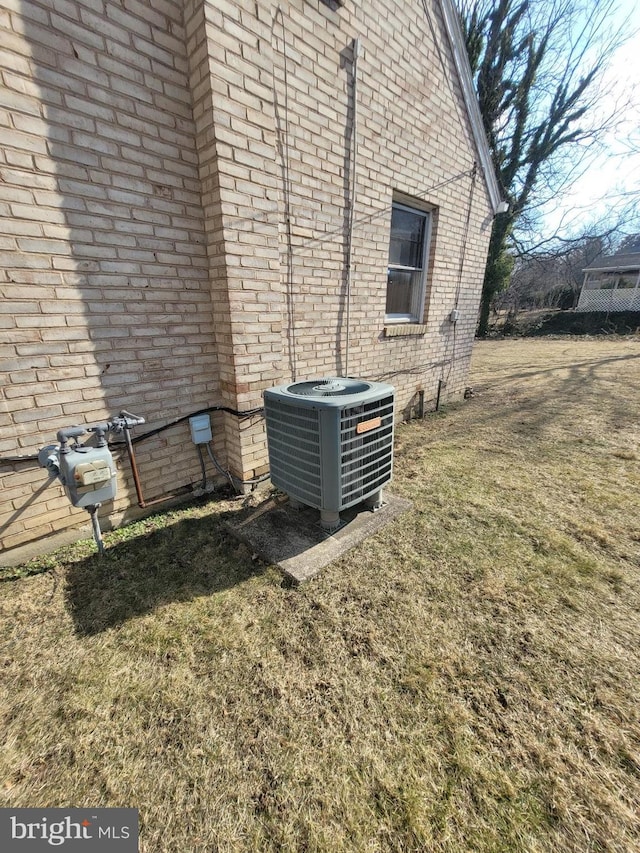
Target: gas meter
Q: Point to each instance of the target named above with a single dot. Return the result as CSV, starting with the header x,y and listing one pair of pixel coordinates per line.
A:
x,y
87,471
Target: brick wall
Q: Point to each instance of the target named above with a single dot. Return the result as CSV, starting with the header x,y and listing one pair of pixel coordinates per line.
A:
x,y
413,138
231,76
175,187
105,294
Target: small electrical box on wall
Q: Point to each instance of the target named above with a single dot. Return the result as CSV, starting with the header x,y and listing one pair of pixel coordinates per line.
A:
x,y
200,429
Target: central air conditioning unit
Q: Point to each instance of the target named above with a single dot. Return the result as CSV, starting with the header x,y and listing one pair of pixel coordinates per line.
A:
x,y
330,443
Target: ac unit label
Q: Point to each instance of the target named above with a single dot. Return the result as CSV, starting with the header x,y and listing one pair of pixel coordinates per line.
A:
x,y
365,426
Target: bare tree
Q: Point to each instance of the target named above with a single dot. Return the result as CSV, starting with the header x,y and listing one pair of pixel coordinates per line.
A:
x,y
630,244
538,67
552,277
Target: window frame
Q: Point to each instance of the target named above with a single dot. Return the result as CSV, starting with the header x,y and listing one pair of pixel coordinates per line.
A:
x,y
418,298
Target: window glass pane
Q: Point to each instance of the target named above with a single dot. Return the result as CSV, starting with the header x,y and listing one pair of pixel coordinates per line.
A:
x,y
402,291
609,281
626,282
407,238
406,277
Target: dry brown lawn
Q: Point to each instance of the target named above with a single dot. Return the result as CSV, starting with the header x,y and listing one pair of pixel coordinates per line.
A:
x,y
466,680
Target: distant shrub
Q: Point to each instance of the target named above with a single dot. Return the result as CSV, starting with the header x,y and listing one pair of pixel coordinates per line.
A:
x,y
573,323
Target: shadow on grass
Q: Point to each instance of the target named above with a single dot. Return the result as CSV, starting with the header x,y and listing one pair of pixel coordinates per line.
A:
x,y
579,371
192,557
530,398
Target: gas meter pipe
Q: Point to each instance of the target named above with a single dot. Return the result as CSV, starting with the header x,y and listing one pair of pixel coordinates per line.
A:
x,y
134,468
95,524
142,503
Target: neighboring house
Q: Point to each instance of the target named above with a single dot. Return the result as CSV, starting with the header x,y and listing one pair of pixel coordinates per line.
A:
x,y
205,198
612,283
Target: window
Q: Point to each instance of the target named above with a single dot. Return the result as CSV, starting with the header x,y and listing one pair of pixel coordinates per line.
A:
x,y
611,280
626,282
406,276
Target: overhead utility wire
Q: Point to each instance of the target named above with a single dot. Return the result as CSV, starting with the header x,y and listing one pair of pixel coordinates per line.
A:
x,y
463,255
282,136
369,217
352,200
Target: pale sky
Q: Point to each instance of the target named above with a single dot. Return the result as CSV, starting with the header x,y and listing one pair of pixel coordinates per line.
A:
x,y
617,170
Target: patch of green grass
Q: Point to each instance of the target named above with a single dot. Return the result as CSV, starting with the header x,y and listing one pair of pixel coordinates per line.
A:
x,y
465,680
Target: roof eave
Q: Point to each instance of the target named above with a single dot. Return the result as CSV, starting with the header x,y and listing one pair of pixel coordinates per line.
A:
x,y
461,60
612,268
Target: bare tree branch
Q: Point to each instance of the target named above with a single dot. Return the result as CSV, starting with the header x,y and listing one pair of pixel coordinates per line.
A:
x,y
538,66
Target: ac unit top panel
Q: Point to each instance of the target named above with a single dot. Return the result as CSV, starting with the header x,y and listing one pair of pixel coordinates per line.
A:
x,y
328,393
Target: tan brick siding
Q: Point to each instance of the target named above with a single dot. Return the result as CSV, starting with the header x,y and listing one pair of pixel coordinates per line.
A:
x,y
105,294
414,138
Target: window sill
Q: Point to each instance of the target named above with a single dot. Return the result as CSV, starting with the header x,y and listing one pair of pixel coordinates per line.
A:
x,y
404,330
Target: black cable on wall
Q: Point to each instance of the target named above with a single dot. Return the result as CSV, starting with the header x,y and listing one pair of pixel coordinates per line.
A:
x,y
248,413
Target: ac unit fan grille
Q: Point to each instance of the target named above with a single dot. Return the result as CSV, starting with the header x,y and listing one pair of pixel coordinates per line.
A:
x,y
329,388
366,458
293,435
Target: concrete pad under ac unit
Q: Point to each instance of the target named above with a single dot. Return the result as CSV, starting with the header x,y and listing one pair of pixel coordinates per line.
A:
x,y
293,539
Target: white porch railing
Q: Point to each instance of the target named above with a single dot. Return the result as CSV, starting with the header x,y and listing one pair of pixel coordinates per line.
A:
x,y
609,300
